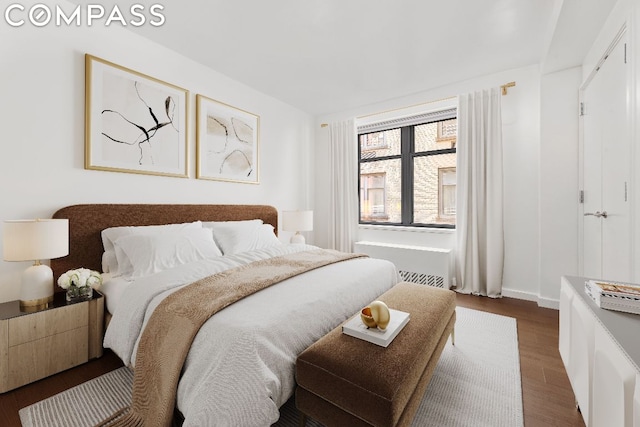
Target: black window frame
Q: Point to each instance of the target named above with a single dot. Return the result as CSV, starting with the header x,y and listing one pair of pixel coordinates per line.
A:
x,y
406,156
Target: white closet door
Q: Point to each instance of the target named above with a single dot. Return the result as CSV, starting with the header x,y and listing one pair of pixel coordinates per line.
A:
x,y
592,181
606,240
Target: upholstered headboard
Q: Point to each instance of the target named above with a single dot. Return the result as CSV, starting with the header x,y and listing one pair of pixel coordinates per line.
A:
x,y
86,222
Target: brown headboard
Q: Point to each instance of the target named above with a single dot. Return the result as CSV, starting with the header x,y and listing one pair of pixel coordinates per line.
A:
x,y
87,221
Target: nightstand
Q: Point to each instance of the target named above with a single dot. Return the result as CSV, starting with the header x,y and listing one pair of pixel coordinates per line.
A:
x,y
42,343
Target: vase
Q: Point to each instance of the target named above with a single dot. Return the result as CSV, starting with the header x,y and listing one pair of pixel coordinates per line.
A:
x,y
83,293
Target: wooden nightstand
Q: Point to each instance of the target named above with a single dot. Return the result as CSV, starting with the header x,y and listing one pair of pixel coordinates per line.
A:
x,y
36,345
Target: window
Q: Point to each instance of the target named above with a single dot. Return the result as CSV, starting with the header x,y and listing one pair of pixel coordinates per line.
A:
x,y
372,196
374,141
447,192
447,131
408,173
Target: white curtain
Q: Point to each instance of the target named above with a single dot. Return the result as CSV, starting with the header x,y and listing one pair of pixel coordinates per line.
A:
x,y
343,192
479,210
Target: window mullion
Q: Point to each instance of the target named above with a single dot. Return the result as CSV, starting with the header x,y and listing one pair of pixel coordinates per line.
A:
x,y
408,145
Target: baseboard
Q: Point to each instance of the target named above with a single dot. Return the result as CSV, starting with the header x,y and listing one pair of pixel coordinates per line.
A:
x,y
512,293
549,303
530,296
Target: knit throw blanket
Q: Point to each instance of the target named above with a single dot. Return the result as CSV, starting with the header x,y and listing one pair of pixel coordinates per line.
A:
x,y
174,324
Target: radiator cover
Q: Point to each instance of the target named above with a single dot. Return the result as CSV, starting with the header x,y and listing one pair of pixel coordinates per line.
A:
x,y
416,264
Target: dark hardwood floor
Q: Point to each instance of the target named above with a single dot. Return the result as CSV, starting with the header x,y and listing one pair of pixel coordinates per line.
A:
x,y
547,396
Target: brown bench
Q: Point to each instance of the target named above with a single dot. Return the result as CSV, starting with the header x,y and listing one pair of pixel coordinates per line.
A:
x,y
345,381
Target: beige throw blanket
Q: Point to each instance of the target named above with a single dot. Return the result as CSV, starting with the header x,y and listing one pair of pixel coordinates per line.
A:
x,y
173,325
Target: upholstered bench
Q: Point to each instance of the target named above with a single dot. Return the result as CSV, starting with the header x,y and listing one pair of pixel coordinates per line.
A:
x,y
345,381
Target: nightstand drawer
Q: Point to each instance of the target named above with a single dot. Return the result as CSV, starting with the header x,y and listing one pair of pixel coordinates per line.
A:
x,y
40,358
34,345
51,322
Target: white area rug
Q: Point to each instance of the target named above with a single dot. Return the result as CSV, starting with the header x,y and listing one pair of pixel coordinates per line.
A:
x,y
476,383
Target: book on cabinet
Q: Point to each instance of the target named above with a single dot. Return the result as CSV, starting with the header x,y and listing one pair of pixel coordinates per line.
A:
x,y
612,295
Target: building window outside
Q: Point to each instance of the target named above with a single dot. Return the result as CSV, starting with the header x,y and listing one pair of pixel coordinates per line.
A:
x,y
417,164
447,192
372,196
374,141
447,131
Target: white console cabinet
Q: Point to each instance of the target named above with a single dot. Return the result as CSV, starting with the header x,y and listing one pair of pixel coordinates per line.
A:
x,y
636,403
601,353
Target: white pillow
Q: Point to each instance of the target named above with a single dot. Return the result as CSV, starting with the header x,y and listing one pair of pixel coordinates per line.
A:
x,y
266,237
152,253
110,235
233,237
109,261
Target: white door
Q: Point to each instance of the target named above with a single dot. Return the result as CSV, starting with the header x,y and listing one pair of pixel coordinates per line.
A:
x,y
606,240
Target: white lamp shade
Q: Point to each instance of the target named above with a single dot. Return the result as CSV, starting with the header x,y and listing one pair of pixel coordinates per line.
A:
x,y
35,239
297,220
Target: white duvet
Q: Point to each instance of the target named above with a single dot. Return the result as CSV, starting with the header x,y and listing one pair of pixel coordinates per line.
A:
x,y
240,368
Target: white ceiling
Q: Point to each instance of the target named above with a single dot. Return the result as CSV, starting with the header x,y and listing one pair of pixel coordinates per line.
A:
x,y
578,24
326,56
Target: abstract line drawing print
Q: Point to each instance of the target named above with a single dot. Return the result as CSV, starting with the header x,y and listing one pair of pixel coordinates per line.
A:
x,y
143,119
229,148
227,142
135,123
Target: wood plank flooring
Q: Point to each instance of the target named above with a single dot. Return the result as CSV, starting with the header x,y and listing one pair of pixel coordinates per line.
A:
x,y
547,396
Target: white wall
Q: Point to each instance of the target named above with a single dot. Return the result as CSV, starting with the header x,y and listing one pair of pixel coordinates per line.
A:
x,y
42,122
521,136
558,181
622,14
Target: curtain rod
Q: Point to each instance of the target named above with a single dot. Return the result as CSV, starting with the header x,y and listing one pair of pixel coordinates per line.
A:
x,y
504,88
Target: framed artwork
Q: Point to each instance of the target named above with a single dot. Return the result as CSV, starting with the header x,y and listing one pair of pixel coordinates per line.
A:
x,y
133,122
227,140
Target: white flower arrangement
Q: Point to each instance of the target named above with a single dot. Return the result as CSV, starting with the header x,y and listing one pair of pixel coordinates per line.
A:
x,y
79,278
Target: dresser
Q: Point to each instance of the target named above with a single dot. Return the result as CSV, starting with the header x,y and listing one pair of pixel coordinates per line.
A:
x,y
600,350
34,345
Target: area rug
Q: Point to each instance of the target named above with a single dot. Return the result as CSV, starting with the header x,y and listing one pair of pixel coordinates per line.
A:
x,y
476,383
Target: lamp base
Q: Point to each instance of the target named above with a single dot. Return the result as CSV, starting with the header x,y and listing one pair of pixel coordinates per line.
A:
x,y
297,238
37,287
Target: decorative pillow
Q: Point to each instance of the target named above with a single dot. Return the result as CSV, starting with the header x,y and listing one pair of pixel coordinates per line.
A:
x,y
233,237
109,261
152,253
110,235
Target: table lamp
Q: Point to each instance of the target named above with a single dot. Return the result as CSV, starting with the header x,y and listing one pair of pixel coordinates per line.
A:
x,y
297,221
36,240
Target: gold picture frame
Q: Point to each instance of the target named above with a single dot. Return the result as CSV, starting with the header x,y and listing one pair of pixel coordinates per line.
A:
x,y
134,123
227,142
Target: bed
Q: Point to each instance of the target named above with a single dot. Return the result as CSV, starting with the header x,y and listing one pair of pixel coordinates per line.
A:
x,y
240,368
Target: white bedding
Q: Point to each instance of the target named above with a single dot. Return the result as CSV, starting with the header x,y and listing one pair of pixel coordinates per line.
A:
x,y
240,368
112,288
